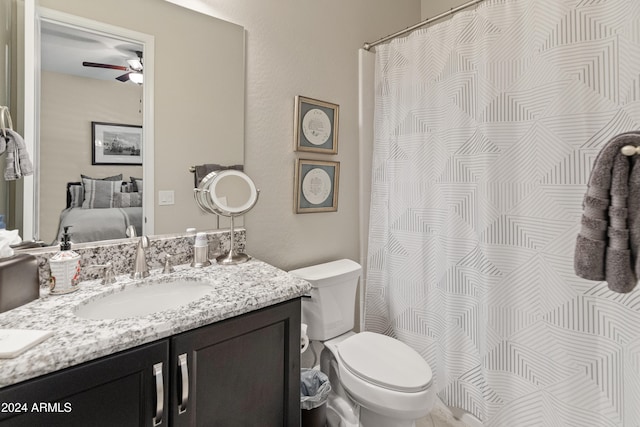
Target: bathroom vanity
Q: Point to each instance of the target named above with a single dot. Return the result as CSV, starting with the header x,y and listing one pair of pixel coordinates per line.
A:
x,y
230,357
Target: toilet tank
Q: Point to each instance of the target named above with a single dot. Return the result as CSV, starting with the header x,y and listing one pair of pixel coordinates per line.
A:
x,y
330,310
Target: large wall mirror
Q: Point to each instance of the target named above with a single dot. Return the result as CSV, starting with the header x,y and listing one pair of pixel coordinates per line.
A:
x,y
189,109
94,124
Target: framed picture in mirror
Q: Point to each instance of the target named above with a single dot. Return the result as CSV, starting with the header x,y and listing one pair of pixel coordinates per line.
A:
x,y
316,186
316,126
116,144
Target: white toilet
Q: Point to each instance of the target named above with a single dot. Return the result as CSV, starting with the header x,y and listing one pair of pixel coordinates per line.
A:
x,y
376,380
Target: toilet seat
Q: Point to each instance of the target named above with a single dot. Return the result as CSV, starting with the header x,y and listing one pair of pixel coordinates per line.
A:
x,y
385,362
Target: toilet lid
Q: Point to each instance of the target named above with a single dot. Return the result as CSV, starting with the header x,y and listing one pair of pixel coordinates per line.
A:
x,y
385,362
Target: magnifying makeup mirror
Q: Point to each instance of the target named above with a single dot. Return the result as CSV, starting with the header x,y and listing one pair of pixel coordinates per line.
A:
x,y
228,193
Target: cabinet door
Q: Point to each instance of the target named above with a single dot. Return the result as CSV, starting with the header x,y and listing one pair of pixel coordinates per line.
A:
x,y
243,371
117,390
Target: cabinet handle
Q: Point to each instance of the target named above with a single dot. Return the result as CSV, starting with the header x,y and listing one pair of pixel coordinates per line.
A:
x,y
184,374
157,374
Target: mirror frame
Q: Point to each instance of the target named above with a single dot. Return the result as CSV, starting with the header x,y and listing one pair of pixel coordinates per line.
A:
x,y
225,210
207,201
31,193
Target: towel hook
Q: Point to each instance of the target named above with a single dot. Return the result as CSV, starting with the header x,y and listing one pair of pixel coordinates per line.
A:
x,y
5,120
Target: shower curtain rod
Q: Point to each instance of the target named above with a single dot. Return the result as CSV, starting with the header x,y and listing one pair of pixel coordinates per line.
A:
x,y
368,46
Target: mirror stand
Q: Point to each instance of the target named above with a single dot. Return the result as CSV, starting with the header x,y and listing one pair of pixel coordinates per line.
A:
x,y
228,193
232,257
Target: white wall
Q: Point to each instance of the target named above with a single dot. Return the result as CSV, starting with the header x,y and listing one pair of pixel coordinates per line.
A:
x,y
309,48
432,8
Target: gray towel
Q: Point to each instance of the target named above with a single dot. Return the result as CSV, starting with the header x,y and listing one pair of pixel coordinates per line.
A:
x,y
633,207
203,170
608,242
18,163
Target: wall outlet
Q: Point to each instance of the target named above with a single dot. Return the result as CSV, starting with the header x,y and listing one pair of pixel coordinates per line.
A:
x,y
165,197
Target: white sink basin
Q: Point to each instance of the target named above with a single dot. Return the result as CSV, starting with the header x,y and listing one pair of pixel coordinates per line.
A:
x,y
137,301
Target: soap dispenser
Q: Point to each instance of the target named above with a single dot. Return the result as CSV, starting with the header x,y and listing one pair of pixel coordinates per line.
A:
x,y
65,268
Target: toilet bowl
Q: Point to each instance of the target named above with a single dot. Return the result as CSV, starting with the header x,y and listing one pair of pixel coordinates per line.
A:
x,y
376,380
387,379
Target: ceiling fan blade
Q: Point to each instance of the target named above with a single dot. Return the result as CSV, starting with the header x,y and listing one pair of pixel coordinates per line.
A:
x,y
108,66
124,77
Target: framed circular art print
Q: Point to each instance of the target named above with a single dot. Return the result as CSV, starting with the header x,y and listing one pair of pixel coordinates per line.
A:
x,y
316,188
316,126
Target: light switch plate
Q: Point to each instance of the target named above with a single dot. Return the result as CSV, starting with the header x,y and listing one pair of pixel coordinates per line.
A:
x,y
165,197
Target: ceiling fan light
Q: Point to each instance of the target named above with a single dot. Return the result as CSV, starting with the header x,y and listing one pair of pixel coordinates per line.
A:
x,y
135,64
136,78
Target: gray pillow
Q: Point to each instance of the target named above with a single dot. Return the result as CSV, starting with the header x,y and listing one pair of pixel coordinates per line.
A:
x,y
133,181
99,193
127,187
77,196
127,200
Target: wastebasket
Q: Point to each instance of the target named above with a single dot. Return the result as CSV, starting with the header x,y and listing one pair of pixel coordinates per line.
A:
x,y
314,391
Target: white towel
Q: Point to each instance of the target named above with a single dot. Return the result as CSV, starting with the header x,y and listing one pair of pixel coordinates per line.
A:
x,y
8,238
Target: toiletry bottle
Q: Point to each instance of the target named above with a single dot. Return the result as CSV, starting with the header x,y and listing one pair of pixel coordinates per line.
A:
x,y
65,268
201,251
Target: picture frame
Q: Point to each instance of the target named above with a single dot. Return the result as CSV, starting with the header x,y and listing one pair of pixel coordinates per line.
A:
x,y
316,186
316,125
116,144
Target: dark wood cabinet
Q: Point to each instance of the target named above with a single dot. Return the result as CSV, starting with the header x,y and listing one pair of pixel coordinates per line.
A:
x,y
118,390
243,371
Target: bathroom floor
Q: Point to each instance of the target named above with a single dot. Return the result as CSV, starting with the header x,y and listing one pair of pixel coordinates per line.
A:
x,y
440,416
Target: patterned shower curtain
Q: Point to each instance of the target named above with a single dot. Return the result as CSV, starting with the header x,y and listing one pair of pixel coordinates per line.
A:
x,y
486,128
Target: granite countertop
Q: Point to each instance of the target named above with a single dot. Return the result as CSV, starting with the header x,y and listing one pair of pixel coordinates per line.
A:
x,y
236,289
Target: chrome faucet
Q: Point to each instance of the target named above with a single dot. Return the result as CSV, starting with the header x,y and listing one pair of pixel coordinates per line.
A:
x,y
109,274
140,267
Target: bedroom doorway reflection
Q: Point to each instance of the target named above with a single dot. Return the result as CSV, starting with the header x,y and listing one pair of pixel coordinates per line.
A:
x,y
89,74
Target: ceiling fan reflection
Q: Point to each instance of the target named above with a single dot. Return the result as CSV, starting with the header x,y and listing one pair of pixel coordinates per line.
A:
x,y
134,72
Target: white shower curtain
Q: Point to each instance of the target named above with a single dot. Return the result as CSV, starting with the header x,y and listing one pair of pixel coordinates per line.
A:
x,y
486,128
